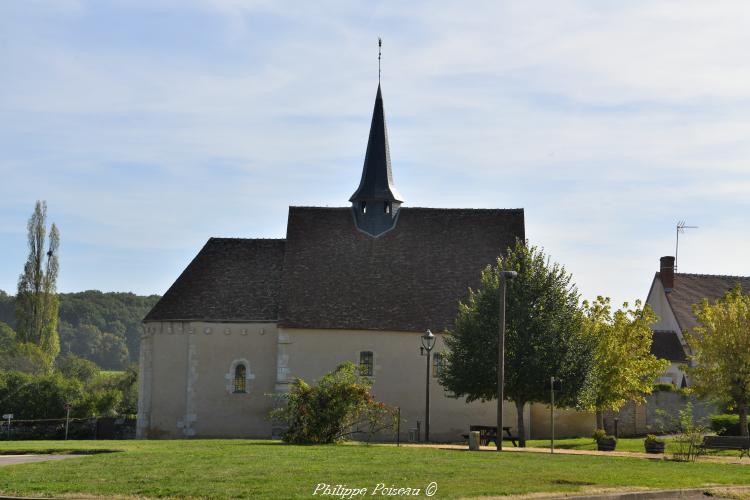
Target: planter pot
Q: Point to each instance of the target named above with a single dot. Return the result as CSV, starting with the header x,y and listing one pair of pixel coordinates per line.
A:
x,y
654,446
606,444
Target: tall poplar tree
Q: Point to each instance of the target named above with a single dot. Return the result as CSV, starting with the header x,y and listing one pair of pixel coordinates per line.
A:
x,y
37,302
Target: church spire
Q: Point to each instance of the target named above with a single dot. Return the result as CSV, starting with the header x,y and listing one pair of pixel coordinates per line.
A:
x,y
377,177
376,202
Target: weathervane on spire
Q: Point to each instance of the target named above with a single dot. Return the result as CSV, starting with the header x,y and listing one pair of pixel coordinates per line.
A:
x,y
380,44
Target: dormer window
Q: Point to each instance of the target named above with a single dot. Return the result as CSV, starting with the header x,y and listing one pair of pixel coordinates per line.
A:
x,y
387,207
364,207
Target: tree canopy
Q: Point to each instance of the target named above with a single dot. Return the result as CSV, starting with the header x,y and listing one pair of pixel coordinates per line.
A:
x,y
622,366
720,349
544,337
104,327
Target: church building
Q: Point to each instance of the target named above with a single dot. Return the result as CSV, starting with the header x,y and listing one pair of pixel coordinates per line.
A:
x,y
358,283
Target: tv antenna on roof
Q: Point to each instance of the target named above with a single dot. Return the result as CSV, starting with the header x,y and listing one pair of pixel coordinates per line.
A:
x,y
680,229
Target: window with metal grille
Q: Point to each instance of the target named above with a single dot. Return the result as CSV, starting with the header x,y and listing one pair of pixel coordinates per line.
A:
x,y
365,363
240,379
438,361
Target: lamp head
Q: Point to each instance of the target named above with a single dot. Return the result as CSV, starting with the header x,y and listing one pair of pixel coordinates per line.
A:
x,y
428,340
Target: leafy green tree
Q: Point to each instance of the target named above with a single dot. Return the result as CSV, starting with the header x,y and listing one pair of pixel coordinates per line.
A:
x,y
21,356
7,309
720,349
72,366
37,301
30,396
339,405
7,338
622,368
544,337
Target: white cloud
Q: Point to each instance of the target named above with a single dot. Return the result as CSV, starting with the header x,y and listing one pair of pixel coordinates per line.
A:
x,y
606,121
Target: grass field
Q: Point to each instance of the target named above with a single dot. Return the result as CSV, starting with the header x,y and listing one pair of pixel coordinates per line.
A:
x,y
269,469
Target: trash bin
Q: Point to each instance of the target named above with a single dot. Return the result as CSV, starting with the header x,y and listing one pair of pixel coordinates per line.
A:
x,y
474,440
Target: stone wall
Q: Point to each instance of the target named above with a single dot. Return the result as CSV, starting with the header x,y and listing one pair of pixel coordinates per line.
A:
x,y
660,413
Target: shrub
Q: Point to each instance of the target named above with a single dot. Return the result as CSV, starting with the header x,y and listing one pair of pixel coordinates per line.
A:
x,y
72,366
651,438
664,387
686,444
31,397
726,424
339,406
38,396
599,434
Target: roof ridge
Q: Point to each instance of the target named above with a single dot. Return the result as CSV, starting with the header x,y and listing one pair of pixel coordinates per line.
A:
x,y
466,209
235,238
704,275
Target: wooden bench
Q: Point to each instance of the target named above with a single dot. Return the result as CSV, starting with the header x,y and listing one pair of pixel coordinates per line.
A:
x,y
488,433
740,443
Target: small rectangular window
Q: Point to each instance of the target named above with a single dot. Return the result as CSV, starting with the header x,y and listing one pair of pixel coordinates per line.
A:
x,y
365,363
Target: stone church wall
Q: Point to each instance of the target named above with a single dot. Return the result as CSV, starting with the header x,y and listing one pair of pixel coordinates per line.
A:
x,y
398,378
187,379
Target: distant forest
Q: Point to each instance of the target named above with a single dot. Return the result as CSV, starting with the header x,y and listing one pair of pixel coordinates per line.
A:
x,y
102,327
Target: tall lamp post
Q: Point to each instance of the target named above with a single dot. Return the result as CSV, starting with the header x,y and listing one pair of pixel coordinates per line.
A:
x,y
428,342
504,276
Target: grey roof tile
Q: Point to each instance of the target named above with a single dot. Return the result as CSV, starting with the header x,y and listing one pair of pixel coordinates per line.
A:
x,y
231,279
408,279
690,289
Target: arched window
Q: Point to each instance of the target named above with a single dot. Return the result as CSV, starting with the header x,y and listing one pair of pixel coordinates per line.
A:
x,y
438,362
240,379
365,363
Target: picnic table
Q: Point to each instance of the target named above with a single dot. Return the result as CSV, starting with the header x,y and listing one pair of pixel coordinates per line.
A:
x,y
488,433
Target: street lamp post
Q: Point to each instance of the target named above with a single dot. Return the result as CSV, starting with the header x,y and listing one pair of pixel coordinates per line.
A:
x,y
504,276
428,342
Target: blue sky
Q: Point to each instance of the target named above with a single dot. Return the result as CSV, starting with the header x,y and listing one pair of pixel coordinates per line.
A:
x,y
150,126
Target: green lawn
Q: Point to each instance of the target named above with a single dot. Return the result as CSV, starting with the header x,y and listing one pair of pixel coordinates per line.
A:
x,y
269,469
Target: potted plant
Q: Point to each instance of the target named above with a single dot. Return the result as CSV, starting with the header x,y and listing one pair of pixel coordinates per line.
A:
x,y
603,441
653,444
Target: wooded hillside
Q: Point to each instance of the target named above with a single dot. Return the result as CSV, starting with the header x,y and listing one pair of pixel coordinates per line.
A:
x,y
102,327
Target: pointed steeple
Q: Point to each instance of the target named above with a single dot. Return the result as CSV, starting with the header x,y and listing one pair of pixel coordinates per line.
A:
x,y
377,177
376,201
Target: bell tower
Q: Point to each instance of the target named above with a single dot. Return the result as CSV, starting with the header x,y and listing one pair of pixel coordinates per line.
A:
x,y
376,201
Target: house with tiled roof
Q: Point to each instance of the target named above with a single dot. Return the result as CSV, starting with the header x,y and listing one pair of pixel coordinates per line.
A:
x,y
358,283
672,296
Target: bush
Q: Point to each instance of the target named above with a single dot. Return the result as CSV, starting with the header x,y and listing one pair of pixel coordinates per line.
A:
x,y
339,406
33,397
38,396
664,387
72,366
726,424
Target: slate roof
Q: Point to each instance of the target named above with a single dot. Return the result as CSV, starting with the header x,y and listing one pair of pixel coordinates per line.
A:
x,y
408,279
666,345
231,279
690,289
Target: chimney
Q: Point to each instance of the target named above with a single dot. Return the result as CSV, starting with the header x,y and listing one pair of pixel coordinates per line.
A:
x,y
666,272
